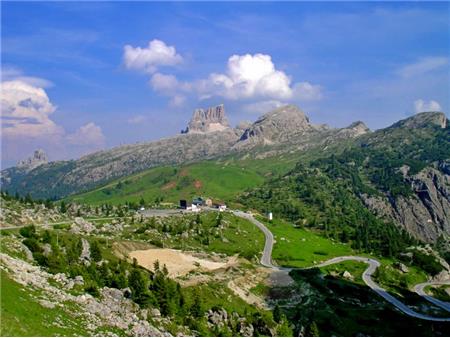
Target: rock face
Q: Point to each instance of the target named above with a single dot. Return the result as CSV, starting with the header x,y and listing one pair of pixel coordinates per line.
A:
x,y
423,119
279,125
425,214
39,157
209,120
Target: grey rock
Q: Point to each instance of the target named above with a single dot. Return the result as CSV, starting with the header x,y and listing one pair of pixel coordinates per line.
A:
x,y
47,249
425,214
85,256
347,275
210,120
39,157
402,267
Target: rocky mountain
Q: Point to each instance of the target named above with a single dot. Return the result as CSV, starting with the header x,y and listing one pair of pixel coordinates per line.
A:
x,y
280,125
39,157
207,136
425,213
399,173
206,121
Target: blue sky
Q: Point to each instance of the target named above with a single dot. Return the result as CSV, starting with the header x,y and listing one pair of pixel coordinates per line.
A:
x,y
72,88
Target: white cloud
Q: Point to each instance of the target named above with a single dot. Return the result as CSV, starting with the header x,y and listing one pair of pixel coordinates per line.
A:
x,y
148,59
25,111
164,83
88,135
262,107
26,123
423,106
15,74
136,119
247,76
422,66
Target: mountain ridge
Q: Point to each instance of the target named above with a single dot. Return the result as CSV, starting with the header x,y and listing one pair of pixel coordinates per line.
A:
x,y
61,178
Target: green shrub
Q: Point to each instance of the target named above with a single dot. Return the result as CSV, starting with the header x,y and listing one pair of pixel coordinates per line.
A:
x,y
28,232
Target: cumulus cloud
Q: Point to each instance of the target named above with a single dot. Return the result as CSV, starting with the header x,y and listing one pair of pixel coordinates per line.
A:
x,y
422,66
88,135
247,77
148,59
423,106
26,122
255,76
26,111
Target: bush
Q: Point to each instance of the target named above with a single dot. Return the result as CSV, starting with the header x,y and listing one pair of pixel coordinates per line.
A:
x,y
28,232
92,289
427,263
32,244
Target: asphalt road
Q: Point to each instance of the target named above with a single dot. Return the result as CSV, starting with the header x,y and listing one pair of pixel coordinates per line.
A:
x,y
266,260
420,289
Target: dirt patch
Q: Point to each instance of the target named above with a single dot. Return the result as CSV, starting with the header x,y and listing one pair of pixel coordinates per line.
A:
x,y
178,263
198,184
169,185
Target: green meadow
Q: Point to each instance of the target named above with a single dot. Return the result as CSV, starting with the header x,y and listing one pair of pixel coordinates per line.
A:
x,y
301,247
170,184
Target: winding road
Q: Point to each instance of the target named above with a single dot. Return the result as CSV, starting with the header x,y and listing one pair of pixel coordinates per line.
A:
x,y
266,260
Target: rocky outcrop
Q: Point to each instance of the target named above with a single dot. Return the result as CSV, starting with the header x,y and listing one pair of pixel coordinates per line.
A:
x,y
422,120
112,310
39,157
277,126
426,213
207,121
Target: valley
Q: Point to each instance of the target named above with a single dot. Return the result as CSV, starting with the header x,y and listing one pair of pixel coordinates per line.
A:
x,y
325,232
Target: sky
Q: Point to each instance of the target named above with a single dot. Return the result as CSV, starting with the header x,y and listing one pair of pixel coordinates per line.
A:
x,y
83,76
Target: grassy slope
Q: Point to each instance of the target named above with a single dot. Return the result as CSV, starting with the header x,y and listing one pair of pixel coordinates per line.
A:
x,y
22,315
213,179
303,247
221,179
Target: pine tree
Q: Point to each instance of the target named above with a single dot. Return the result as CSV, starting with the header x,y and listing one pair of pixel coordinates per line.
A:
x,y
277,314
96,253
197,307
313,330
63,207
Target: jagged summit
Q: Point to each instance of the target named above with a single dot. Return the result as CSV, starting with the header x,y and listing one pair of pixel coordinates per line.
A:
x,y
423,119
209,120
39,157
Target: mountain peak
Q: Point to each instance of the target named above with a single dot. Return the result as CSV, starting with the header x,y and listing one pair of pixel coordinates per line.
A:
x,y
278,125
287,112
424,119
39,157
209,120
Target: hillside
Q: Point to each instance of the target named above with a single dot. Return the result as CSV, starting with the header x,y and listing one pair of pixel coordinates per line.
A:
x,y
170,184
63,178
400,173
